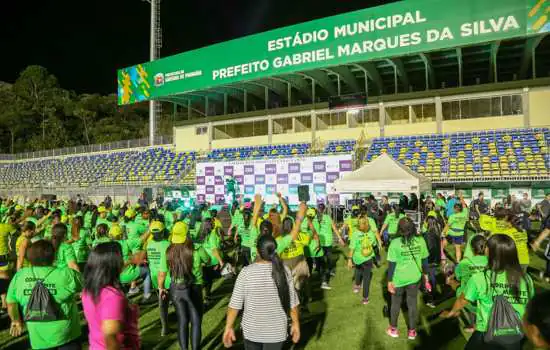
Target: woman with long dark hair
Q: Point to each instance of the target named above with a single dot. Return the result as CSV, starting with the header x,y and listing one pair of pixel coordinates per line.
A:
x,y
183,265
265,293
112,320
243,230
64,253
504,276
408,261
81,241
390,224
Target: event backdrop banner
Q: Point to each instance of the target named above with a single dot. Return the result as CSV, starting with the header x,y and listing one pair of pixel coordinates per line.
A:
x,y
270,176
396,29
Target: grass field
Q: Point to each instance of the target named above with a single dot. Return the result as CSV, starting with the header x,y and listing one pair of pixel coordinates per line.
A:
x,y
336,320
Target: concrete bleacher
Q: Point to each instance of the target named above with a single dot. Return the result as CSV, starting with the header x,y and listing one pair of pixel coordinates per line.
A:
x,y
499,154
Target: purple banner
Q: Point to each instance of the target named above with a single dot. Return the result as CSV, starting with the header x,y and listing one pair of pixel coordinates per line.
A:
x,y
249,169
201,198
319,167
306,178
201,180
270,169
270,189
209,171
259,179
282,179
239,179
331,177
218,180
220,198
210,189
228,170
345,165
293,168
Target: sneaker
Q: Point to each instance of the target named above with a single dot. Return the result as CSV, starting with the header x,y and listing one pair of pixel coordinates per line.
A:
x,y
365,301
412,334
431,305
133,291
356,289
392,332
325,285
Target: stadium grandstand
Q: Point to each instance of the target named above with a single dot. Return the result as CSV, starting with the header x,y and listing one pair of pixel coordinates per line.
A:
x,y
461,99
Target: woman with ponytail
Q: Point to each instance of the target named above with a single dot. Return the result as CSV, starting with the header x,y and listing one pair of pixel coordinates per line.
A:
x,y
265,293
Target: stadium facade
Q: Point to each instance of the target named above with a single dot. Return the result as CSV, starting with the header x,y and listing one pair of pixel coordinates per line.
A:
x,y
426,81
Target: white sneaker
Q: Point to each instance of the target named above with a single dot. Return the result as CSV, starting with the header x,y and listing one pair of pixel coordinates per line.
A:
x,y
325,286
133,291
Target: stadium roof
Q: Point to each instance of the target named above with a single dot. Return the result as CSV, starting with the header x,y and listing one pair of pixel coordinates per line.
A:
x,y
400,47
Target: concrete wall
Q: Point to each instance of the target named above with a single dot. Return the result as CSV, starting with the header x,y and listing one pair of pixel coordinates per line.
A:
x,y
504,122
539,107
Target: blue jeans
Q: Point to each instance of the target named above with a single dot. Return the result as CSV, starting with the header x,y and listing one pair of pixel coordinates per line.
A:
x,y
145,274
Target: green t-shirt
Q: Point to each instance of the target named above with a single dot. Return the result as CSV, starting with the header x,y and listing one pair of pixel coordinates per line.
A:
x,y
440,202
359,242
245,234
82,246
88,219
195,231
283,243
482,290
312,249
156,256
131,272
63,285
213,241
237,219
408,260
325,230
391,221
253,240
457,222
64,255
467,268
168,219
134,231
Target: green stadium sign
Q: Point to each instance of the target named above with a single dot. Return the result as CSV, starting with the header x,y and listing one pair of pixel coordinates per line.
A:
x,y
396,29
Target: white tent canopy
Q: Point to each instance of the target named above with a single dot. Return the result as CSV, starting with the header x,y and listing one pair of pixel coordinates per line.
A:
x,y
383,174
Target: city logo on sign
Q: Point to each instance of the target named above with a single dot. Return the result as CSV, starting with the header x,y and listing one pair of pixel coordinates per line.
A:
x,y
159,79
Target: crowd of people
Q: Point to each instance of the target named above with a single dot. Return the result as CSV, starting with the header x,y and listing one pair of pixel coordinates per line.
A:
x,y
60,257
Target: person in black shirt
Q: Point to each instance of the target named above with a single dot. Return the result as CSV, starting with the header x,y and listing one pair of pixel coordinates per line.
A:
x,y
479,206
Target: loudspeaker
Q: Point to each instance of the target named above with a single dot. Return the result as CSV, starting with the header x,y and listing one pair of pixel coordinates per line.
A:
x,y
303,193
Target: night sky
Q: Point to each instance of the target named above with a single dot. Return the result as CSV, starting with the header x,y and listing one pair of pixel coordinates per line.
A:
x,y
84,42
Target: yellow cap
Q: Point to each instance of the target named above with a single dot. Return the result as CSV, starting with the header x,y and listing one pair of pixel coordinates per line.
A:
x,y
355,207
310,212
101,209
115,232
179,233
64,219
18,207
156,226
130,213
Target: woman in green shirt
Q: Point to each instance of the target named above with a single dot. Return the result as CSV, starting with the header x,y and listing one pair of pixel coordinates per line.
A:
x,y
185,267
408,263
504,277
455,229
213,246
361,255
63,284
390,223
80,241
243,230
64,252
101,235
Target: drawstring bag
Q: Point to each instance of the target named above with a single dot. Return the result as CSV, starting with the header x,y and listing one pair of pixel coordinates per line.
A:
x,y
41,306
504,327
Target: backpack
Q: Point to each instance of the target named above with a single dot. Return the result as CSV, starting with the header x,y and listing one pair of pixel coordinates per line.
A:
x,y
366,246
41,306
504,326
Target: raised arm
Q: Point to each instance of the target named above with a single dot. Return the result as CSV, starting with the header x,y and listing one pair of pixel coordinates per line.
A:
x,y
257,206
283,204
299,219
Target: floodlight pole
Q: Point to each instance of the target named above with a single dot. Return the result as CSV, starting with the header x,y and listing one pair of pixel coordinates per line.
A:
x,y
154,53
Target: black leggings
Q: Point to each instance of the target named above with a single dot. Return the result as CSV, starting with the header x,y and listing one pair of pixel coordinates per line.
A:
x,y
188,307
250,345
329,264
397,298
363,273
245,255
477,341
